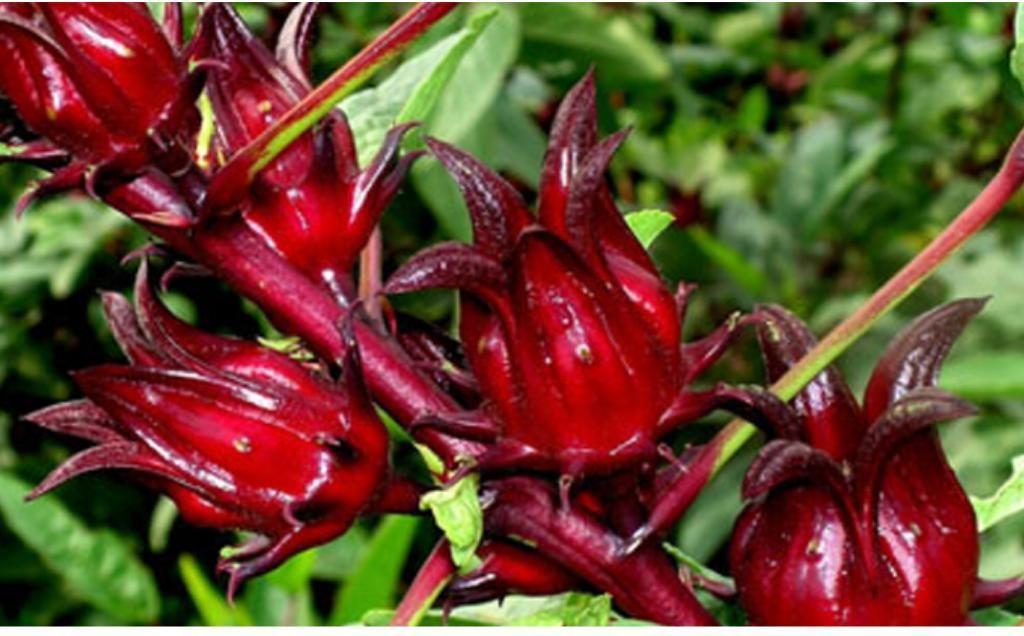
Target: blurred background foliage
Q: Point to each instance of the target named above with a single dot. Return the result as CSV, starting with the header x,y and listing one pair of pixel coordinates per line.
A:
x,y
805,151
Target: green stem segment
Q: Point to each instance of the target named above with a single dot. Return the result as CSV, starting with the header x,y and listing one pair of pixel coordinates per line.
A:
x,y
981,210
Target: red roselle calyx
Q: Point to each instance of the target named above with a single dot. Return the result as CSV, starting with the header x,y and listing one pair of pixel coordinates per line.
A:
x,y
239,436
856,516
102,83
570,331
312,204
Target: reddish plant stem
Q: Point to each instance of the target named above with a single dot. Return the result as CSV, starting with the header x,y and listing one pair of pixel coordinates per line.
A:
x,y
644,584
434,575
231,181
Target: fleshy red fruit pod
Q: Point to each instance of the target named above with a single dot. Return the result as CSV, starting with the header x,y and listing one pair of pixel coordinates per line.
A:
x,y
312,204
856,516
239,436
572,335
101,81
506,568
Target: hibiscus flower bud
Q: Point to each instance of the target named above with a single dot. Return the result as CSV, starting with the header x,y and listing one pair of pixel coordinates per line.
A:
x,y
856,517
239,436
312,204
572,335
100,81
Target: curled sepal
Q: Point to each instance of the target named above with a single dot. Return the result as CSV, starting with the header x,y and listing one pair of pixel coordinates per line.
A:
x,y
913,413
573,134
914,357
697,356
117,454
497,211
580,218
505,569
754,404
294,39
831,417
784,461
471,425
449,265
79,418
989,593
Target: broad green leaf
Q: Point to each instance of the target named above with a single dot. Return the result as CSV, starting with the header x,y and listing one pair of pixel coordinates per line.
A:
x,y
647,225
478,79
375,580
471,115
1006,501
208,599
986,375
574,609
1017,54
97,566
412,91
594,36
457,513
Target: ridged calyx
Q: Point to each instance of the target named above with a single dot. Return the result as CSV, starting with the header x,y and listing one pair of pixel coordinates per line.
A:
x,y
312,204
856,517
570,332
239,436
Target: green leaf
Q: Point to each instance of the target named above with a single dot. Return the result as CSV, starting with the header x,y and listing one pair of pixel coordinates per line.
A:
x,y
412,91
474,86
593,36
986,376
574,609
1006,501
208,599
648,224
995,617
1017,54
456,511
373,584
696,565
98,566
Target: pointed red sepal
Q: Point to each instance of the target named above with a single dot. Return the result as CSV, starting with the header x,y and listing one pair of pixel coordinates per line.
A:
x,y
70,177
697,356
471,425
989,593
573,134
121,454
79,418
124,324
579,218
914,357
832,420
914,412
293,42
783,461
755,404
496,209
449,265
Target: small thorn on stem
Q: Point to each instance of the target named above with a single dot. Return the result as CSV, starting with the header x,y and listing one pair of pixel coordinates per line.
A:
x,y
565,491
